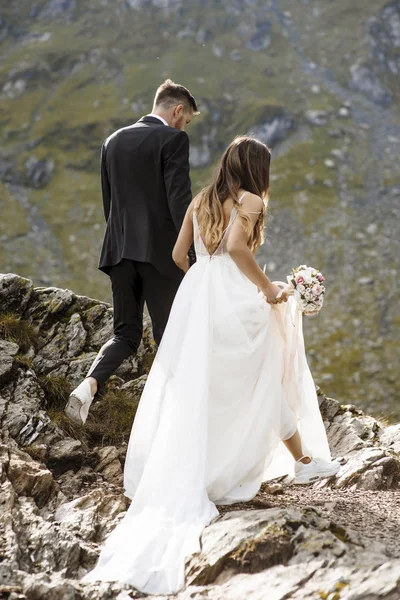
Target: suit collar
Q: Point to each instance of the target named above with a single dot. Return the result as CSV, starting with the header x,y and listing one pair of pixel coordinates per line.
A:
x,y
148,119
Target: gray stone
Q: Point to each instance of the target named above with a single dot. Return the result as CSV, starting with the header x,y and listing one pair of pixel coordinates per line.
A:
x,y
78,368
92,516
29,478
272,130
317,117
390,437
25,403
15,292
364,80
39,171
7,352
64,455
342,436
68,342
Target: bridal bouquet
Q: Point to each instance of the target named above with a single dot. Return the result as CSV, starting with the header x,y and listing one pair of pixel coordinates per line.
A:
x,y
306,285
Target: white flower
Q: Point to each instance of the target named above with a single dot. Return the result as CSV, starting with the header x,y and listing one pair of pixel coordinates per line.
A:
x,y
307,275
300,288
308,295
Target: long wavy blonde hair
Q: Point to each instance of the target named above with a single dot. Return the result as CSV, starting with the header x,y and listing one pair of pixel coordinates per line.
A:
x,y
244,165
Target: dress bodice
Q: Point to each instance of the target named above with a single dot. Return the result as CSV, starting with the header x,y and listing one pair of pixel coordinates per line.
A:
x,y
200,247
201,250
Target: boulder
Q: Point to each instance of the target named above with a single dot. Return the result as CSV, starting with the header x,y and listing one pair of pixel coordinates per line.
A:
x,y
15,292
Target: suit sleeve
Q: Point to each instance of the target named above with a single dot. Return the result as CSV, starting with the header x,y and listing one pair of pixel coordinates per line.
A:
x,y
105,184
176,177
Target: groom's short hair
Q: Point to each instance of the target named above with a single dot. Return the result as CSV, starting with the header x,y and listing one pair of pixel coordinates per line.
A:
x,y
170,94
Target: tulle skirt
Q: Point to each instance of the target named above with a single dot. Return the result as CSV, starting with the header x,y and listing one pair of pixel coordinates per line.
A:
x,y
229,382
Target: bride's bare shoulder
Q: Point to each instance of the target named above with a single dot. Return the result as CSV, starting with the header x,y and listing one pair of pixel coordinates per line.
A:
x,y
252,203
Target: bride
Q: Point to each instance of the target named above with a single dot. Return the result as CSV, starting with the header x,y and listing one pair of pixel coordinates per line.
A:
x,y
229,382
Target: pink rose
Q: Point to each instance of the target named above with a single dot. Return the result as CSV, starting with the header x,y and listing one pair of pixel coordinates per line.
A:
x,y
320,278
317,289
299,279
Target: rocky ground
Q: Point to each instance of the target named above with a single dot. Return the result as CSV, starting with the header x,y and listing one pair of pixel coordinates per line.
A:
x,y
61,489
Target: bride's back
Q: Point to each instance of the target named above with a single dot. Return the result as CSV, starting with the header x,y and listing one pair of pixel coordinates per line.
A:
x,y
219,236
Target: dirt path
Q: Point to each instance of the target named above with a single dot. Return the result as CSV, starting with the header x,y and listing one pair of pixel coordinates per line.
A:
x,y
373,514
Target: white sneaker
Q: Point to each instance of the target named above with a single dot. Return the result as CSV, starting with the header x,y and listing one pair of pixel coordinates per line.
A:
x,y
79,402
316,469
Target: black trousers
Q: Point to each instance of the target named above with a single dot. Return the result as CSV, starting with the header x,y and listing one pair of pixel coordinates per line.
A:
x,y
133,284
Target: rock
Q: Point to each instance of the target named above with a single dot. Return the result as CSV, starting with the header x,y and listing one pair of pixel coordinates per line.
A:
x,y
280,581
329,163
78,368
7,352
390,437
13,89
327,406
343,112
74,484
98,321
261,38
29,478
15,292
274,489
39,171
235,55
92,516
66,342
242,541
106,455
342,436
384,37
48,305
201,152
314,551
24,401
317,117
364,80
58,8
64,455
356,465
109,464
274,129
372,229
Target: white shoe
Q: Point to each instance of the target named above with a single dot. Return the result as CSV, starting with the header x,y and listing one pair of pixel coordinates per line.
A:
x,y
316,469
79,402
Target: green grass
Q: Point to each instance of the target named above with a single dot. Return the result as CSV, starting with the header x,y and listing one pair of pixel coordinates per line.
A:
x,y
111,418
310,202
73,430
14,328
13,221
56,390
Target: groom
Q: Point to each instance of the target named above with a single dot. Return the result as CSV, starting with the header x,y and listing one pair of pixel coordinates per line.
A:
x,y
146,191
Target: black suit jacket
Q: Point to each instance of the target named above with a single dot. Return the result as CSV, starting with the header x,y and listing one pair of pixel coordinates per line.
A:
x,y
146,192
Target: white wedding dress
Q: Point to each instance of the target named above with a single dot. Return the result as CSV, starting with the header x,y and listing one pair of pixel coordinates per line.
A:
x,y
229,381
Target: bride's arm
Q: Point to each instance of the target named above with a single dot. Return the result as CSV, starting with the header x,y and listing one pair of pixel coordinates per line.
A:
x,y
184,241
243,256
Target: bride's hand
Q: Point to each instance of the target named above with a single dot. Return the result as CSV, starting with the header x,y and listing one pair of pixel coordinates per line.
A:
x,y
275,294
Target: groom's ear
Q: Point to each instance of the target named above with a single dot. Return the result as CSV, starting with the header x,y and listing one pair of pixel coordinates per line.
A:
x,y
178,110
